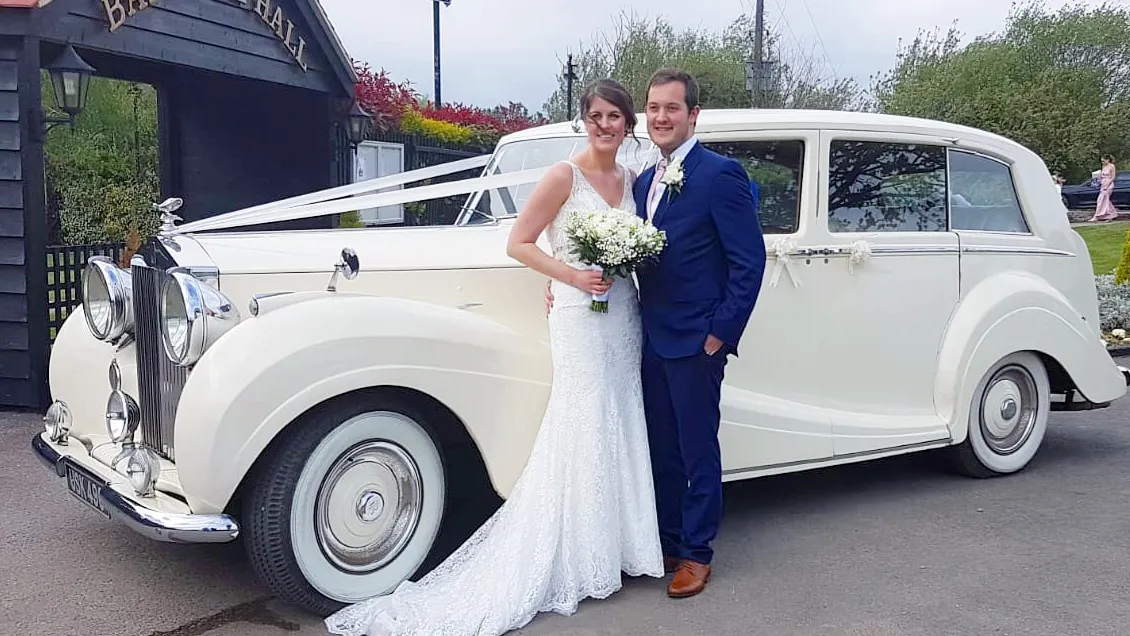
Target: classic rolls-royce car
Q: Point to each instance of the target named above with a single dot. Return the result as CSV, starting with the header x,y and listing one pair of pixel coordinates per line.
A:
x,y
336,398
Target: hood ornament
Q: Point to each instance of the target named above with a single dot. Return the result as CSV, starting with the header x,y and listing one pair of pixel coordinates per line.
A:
x,y
348,266
166,208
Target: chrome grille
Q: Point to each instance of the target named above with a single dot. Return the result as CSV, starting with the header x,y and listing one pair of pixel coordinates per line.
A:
x,y
159,381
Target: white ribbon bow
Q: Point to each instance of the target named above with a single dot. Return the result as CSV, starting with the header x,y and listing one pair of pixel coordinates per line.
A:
x,y
783,249
860,252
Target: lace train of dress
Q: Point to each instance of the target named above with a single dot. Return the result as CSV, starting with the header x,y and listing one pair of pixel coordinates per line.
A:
x,y
583,510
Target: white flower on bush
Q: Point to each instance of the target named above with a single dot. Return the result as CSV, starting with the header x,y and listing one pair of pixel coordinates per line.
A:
x,y
1114,305
1118,333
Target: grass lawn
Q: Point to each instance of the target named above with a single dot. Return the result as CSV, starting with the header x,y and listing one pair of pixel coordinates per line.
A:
x,y
1105,240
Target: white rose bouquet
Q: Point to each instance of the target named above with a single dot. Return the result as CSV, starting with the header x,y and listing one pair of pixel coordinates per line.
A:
x,y
613,242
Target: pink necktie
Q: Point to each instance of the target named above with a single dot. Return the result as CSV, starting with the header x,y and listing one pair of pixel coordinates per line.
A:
x,y
660,168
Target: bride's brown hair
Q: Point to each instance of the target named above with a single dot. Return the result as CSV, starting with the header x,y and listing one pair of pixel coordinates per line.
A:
x,y
614,93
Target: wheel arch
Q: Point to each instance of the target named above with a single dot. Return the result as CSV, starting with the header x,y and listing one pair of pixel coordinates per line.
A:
x,y
486,384
1012,313
459,451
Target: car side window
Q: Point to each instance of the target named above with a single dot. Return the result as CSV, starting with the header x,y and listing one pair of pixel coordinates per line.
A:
x,y
886,187
982,195
774,168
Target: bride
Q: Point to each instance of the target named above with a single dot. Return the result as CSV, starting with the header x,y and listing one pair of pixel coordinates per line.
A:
x,y
583,510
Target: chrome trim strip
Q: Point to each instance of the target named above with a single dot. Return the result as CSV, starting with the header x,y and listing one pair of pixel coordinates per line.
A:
x,y
930,250
152,524
917,446
880,250
1005,249
914,249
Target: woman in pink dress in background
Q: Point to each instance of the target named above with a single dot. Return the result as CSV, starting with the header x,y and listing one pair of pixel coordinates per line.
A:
x,y
1104,209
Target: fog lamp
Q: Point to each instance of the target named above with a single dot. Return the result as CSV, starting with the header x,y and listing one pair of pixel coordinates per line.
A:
x,y
57,422
143,469
122,416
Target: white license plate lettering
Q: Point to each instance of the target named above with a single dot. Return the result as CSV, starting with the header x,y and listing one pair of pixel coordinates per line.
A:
x,y
85,489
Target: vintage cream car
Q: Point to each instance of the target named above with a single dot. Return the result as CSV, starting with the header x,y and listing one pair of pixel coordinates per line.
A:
x,y
923,291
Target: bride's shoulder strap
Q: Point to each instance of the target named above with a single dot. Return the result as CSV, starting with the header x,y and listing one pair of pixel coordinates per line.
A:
x,y
563,168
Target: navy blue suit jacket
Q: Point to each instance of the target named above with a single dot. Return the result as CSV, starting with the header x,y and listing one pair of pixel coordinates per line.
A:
x,y
708,278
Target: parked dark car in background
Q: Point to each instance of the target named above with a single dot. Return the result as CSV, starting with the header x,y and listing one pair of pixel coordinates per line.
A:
x,y
1085,195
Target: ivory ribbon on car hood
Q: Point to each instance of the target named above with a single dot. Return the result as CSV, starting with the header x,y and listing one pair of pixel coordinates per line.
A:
x,y
347,198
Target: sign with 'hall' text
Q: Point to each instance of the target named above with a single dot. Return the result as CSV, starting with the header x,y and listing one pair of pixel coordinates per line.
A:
x,y
269,11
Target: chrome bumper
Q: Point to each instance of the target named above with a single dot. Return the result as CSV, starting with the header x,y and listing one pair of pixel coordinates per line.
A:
x,y
154,524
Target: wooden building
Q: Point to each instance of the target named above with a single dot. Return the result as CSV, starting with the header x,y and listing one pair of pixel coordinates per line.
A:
x,y
253,97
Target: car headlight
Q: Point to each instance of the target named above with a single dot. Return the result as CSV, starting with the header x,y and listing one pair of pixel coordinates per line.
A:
x,y
107,298
193,316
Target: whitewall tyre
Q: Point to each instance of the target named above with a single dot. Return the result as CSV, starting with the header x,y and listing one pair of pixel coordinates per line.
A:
x,y
347,504
1008,416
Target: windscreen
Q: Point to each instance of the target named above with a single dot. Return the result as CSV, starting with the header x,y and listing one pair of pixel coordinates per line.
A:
x,y
530,154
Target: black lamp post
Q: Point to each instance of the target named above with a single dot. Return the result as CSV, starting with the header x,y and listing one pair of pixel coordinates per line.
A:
x,y
70,83
359,122
435,44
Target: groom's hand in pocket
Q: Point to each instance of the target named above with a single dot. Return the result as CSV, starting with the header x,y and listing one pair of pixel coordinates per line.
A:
x,y
712,346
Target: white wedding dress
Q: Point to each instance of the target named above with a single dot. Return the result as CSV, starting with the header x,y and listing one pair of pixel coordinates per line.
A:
x,y
583,510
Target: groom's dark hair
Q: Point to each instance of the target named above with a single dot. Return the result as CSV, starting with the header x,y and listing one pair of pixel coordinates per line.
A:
x,y
668,75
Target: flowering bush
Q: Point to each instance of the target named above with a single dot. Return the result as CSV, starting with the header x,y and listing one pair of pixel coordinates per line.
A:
x,y
399,107
384,99
1114,304
461,115
414,123
515,117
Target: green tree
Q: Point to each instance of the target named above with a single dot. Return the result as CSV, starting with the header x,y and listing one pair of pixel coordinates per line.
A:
x,y
1055,82
102,175
637,47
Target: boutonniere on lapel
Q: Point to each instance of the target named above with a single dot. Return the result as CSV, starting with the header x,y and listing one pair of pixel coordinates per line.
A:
x,y
673,176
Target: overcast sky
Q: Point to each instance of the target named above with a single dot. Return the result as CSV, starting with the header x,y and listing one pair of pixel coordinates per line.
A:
x,y
491,55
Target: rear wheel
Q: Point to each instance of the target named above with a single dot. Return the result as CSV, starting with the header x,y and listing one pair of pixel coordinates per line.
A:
x,y
347,504
1008,417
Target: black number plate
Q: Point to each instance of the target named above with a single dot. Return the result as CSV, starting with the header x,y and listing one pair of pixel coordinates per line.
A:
x,y
85,488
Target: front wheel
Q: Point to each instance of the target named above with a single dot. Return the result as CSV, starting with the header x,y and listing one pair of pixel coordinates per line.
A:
x,y
347,505
1008,416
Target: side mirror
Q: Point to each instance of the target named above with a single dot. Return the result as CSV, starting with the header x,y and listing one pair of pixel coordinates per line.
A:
x,y
349,266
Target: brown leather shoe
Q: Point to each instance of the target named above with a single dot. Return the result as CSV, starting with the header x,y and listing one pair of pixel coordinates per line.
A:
x,y
670,564
690,579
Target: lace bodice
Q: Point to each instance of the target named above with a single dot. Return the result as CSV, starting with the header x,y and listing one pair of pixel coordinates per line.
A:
x,y
582,198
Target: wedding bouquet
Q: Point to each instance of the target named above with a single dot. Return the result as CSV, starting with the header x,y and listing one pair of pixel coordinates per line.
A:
x,y
613,242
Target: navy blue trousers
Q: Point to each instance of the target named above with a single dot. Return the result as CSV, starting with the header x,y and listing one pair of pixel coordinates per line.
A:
x,y
681,398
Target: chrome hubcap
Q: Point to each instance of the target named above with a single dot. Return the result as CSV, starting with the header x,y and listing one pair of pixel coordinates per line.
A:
x,y
1008,410
368,506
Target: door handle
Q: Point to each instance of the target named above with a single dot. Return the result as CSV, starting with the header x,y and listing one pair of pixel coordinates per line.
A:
x,y
819,251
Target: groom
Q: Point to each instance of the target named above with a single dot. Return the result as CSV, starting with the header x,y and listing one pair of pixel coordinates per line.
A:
x,y
694,304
